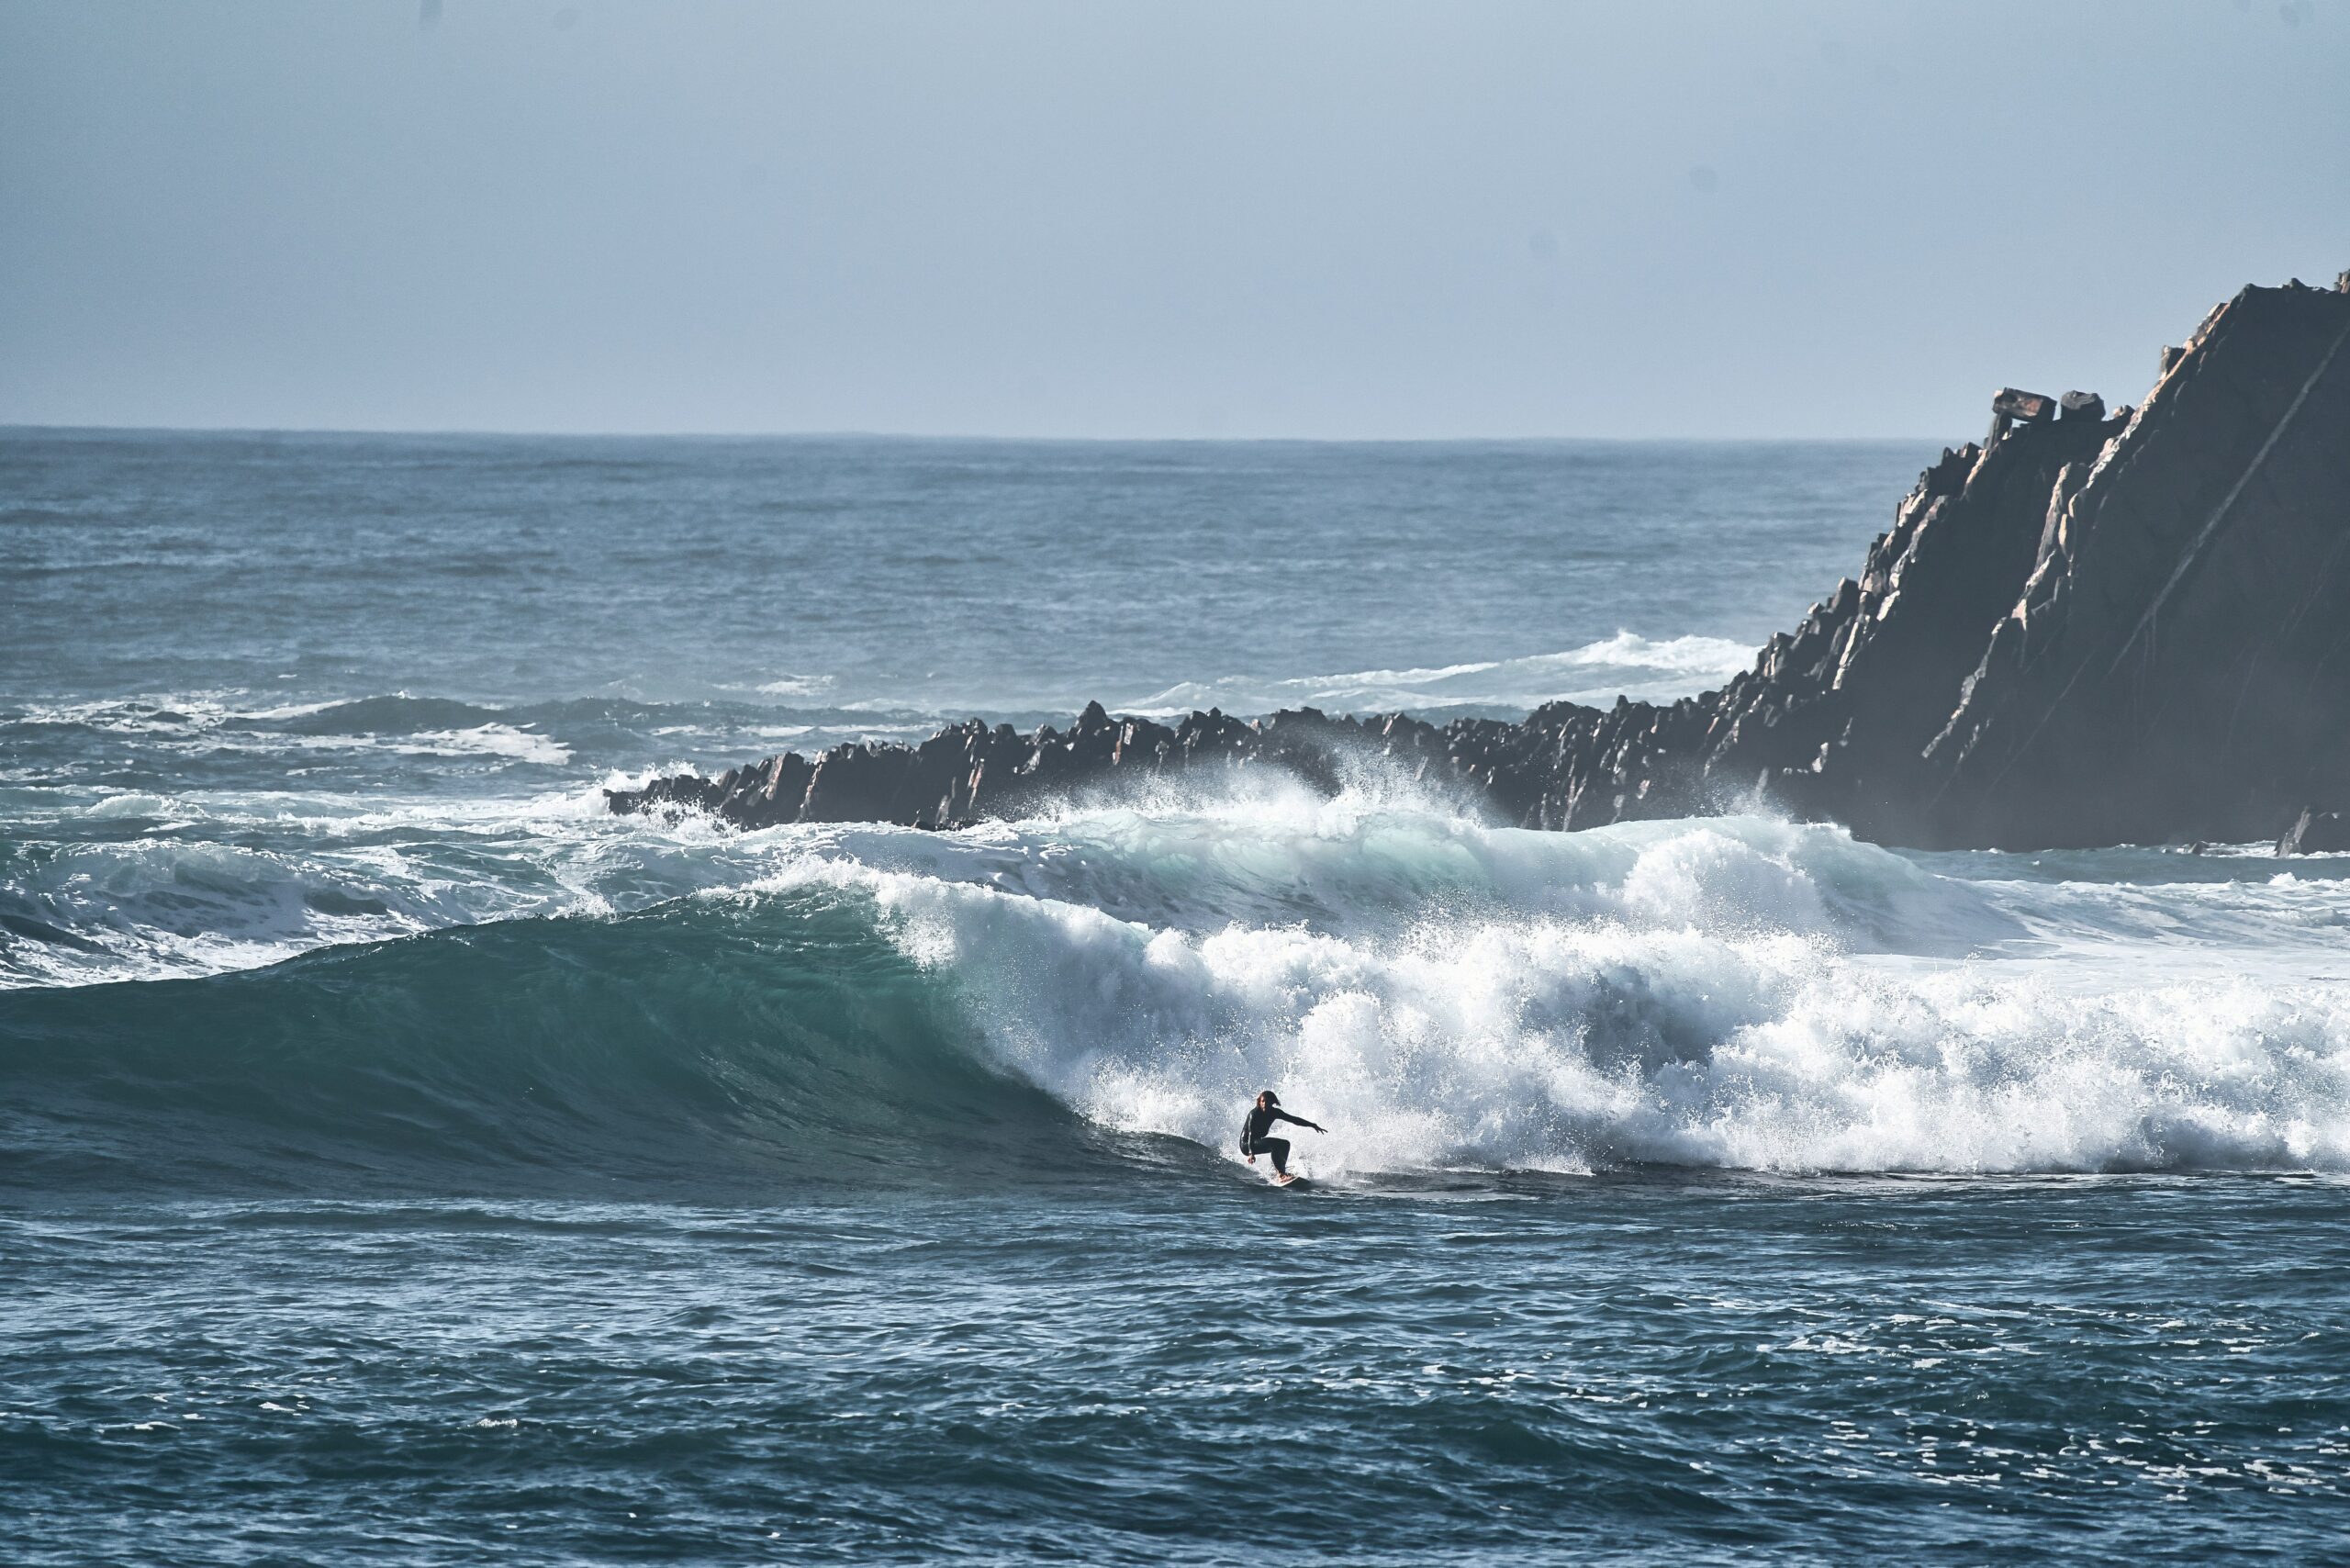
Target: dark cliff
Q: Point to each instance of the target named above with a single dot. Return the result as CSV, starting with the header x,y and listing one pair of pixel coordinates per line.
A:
x,y
2178,661
2084,630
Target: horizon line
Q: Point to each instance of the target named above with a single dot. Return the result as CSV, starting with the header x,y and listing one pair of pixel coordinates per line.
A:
x,y
11,428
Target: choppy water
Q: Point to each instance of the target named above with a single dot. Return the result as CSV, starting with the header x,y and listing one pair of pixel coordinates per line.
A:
x,y
402,1162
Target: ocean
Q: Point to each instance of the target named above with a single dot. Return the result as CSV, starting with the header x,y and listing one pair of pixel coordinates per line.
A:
x,y
404,1162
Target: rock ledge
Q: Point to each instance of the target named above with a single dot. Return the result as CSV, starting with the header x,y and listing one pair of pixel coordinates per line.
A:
x,y
2084,630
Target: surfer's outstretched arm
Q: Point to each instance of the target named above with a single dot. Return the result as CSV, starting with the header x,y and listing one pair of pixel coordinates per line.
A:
x,y
1301,1121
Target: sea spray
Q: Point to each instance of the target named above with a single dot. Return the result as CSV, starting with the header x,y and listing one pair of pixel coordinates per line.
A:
x,y
1546,1044
1734,993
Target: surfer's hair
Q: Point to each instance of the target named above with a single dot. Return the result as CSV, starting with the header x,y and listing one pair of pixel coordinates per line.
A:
x,y
1268,1096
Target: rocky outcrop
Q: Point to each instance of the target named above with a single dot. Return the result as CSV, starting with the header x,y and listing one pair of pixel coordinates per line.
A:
x,y
2084,630
2179,660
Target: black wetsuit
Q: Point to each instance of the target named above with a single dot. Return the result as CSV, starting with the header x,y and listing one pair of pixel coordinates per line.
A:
x,y
1260,1122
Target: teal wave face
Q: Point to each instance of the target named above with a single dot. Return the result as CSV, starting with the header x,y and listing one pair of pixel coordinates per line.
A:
x,y
1732,994
780,1039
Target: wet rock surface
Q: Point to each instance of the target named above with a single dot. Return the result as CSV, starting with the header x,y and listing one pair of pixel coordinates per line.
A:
x,y
2087,630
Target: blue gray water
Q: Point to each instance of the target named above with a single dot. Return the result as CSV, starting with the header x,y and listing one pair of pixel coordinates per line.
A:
x,y
402,1162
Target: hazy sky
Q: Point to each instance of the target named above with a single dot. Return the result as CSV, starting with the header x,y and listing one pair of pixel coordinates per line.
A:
x,y
1111,218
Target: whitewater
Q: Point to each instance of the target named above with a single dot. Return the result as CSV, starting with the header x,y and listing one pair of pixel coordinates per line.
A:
x,y
402,1158
1735,992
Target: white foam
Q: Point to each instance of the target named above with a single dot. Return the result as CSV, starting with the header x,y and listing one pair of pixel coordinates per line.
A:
x,y
1733,993
1624,663
220,881
204,716
489,740
796,686
1546,1044
130,803
165,714
1270,851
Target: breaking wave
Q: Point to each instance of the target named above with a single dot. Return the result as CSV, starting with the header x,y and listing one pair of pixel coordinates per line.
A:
x,y
852,1004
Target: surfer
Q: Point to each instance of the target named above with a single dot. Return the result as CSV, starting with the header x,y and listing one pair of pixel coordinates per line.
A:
x,y
1261,1117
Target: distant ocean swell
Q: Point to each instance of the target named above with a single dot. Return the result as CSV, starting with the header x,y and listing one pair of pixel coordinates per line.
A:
x,y
190,726
863,1004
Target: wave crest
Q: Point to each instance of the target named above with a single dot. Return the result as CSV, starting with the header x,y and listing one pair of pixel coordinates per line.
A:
x,y
851,1001
1738,994
1551,1045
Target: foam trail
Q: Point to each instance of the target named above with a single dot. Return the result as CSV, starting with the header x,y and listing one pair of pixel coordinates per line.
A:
x,y
1656,669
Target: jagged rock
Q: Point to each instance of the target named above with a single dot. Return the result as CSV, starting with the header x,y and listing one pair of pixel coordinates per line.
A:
x,y
2011,406
2087,631
2175,668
